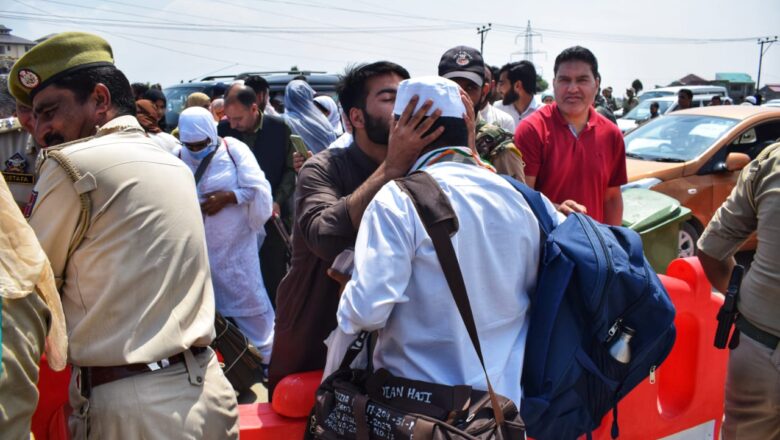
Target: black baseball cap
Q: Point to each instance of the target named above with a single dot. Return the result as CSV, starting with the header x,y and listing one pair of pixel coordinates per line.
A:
x,y
463,62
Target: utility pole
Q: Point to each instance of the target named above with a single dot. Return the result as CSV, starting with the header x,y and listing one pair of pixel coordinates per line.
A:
x,y
761,42
482,31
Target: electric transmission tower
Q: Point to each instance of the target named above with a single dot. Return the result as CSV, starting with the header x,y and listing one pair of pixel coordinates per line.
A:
x,y
528,51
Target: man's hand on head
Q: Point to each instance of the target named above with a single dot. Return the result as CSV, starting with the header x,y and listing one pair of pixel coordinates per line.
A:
x,y
408,138
470,118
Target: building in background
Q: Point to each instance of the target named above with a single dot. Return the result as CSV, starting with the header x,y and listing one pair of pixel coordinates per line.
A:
x,y
11,48
739,85
770,92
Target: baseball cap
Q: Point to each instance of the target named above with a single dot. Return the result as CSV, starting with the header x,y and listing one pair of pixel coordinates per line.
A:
x,y
463,62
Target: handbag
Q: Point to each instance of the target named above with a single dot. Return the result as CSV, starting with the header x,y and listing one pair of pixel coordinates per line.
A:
x,y
363,404
241,362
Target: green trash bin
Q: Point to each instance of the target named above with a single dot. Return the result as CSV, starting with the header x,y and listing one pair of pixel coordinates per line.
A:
x,y
657,218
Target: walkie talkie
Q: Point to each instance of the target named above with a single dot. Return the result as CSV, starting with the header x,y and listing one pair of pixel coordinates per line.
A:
x,y
727,315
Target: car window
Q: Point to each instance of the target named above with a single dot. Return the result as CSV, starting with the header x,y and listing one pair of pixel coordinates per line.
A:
x,y
642,110
676,138
655,94
753,140
177,97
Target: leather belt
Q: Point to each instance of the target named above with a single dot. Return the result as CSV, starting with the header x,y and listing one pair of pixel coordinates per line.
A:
x,y
101,375
764,338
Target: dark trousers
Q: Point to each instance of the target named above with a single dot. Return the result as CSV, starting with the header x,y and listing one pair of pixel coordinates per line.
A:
x,y
273,260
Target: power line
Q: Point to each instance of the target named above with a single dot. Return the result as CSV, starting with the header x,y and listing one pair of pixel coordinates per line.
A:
x,y
194,27
331,25
197,55
371,13
46,17
623,38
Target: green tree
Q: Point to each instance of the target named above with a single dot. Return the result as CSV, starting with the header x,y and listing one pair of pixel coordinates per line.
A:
x,y
637,85
541,84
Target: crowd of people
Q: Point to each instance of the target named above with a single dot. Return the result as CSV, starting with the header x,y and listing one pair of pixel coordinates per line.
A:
x,y
148,234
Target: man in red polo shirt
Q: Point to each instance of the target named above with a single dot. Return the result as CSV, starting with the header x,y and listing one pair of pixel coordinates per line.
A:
x,y
572,154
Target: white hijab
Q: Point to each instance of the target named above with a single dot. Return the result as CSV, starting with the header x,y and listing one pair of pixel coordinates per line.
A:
x,y
197,124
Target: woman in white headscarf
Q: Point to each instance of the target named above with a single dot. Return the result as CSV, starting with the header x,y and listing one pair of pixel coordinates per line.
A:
x,y
304,118
334,116
236,202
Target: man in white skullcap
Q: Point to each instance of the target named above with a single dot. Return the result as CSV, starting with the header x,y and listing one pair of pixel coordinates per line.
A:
x,y
398,285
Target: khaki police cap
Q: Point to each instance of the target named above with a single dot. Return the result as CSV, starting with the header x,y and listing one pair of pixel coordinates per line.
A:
x,y
59,55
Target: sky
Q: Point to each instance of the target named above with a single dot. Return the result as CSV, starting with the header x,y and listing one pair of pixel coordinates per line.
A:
x,y
656,41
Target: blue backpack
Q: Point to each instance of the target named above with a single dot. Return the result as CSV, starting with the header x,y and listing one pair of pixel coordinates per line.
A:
x,y
593,283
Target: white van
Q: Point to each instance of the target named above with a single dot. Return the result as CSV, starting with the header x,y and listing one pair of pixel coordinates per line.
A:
x,y
672,91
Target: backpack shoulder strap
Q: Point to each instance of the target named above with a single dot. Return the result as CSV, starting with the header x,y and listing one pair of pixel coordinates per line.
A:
x,y
535,201
441,223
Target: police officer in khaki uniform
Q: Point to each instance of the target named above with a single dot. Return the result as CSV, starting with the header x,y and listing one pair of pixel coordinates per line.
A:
x,y
17,151
753,380
30,310
120,222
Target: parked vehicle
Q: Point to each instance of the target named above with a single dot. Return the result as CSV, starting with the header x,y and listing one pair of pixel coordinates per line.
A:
x,y
672,91
177,94
695,156
772,103
641,112
666,104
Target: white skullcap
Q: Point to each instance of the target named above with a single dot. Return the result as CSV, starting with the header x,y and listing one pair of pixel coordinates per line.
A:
x,y
444,93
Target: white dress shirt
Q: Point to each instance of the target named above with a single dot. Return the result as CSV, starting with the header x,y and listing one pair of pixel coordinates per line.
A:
x,y
398,286
517,116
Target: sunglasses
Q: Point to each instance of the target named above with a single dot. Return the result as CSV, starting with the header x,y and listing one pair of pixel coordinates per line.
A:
x,y
197,145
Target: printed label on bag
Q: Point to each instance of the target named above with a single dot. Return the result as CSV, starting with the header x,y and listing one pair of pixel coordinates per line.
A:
x,y
384,423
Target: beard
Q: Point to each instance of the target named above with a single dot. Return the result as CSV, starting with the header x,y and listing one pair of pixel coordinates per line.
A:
x,y
510,97
377,129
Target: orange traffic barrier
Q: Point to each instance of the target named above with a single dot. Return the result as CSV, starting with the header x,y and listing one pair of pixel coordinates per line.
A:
x,y
686,395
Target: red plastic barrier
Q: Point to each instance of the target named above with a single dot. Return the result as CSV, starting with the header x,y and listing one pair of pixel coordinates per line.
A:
x,y
286,417
258,421
294,395
50,418
688,390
